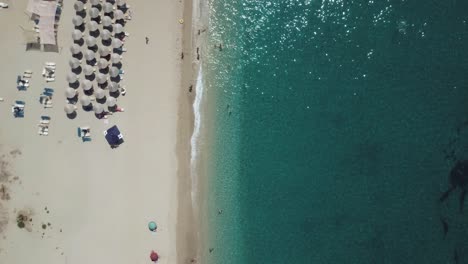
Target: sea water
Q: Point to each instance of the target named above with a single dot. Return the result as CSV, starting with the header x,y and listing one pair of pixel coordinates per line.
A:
x,y
330,124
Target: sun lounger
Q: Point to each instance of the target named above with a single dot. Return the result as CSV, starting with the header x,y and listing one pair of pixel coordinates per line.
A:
x,y
48,90
43,131
45,118
50,63
50,79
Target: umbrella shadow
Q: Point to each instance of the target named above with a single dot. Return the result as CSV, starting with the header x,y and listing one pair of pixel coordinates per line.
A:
x,y
72,115
73,100
106,42
112,108
116,79
104,71
118,65
91,62
115,94
110,28
94,33
103,85
77,70
89,92
81,13
87,108
74,85
78,56
118,51
80,27
79,42
99,7
121,22
93,48
107,57
124,8
102,100
90,77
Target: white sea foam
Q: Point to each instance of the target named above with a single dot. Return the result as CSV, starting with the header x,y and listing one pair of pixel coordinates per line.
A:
x,y
194,141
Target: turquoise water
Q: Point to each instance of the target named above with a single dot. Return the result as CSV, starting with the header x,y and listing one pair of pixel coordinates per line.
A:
x,y
331,122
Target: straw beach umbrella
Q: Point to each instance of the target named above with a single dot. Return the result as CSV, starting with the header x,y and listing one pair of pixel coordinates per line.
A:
x,y
89,55
114,72
77,21
85,100
93,25
116,58
105,34
98,109
121,3
104,51
106,21
79,6
116,43
102,64
70,93
114,87
75,49
74,63
119,14
100,93
101,78
95,2
111,102
118,28
108,8
94,12
77,35
91,41
71,77
86,85
69,109
88,70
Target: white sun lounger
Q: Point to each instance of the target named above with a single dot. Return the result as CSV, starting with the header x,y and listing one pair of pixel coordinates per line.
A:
x,y
50,64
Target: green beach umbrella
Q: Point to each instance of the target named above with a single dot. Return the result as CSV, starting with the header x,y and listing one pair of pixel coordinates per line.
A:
x,y
152,226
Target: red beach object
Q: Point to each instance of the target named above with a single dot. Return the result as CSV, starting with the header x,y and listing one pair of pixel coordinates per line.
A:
x,y
154,256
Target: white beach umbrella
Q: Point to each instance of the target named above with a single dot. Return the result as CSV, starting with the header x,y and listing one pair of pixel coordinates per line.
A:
x,y
108,8
106,21
118,28
100,93
91,41
116,58
121,2
93,25
98,109
101,78
77,35
114,87
114,72
111,101
94,12
88,70
85,100
105,34
79,6
86,85
71,77
75,49
74,63
69,108
77,21
70,93
104,51
116,43
89,55
119,14
95,2
102,63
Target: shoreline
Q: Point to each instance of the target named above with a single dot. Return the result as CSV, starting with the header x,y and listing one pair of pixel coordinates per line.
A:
x,y
186,237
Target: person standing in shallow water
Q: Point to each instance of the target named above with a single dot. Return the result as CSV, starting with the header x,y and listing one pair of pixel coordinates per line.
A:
x,y
147,40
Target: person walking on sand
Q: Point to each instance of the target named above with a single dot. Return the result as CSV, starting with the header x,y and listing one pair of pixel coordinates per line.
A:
x,y
147,40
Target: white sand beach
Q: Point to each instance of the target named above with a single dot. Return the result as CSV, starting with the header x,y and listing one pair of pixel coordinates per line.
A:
x,y
90,203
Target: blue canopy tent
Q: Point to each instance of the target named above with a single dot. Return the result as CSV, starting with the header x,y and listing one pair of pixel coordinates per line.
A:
x,y
113,136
